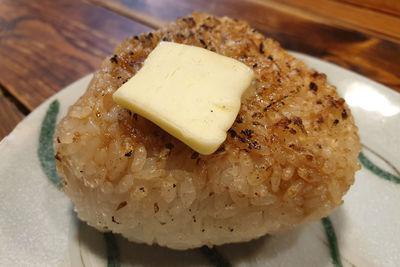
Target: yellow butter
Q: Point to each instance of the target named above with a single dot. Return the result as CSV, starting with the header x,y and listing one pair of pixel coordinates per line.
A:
x,y
190,92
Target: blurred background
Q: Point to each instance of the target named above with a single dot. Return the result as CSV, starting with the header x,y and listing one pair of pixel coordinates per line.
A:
x,y
45,45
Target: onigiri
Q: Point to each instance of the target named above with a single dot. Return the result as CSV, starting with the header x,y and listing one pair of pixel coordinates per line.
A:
x,y
289,157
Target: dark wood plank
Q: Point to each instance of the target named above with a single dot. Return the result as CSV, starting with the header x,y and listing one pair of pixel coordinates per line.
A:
x,y
45,45
332,12
368,54
388,6
10,114
342,14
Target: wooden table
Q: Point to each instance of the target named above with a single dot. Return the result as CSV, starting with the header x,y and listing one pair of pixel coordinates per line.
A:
x,y
45,45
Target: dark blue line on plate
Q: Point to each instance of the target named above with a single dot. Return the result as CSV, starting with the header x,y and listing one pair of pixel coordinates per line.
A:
x,y
333,246
46,150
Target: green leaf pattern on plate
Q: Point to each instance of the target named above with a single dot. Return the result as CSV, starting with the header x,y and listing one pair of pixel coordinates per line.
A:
x,y
333,246
369,165
215,257
45,151
112,250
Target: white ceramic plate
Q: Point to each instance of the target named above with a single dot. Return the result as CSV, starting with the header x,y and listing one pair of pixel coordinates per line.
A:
x,y
39,228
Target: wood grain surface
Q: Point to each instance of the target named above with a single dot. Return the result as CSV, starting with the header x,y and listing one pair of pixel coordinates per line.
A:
x,y
387,6
10,114
45,45
343,15
369,55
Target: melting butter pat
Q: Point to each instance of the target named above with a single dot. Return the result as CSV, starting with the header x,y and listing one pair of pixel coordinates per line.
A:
x,y
190,92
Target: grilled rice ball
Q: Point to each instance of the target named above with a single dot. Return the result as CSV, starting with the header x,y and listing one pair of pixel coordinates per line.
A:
x,y
288,159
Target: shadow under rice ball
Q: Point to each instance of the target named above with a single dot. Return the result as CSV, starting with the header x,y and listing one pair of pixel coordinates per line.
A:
x,y
288,159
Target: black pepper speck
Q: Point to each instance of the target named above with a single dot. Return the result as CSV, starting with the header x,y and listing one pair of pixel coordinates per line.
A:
x,y
169,145
114,59
261,48
313,86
